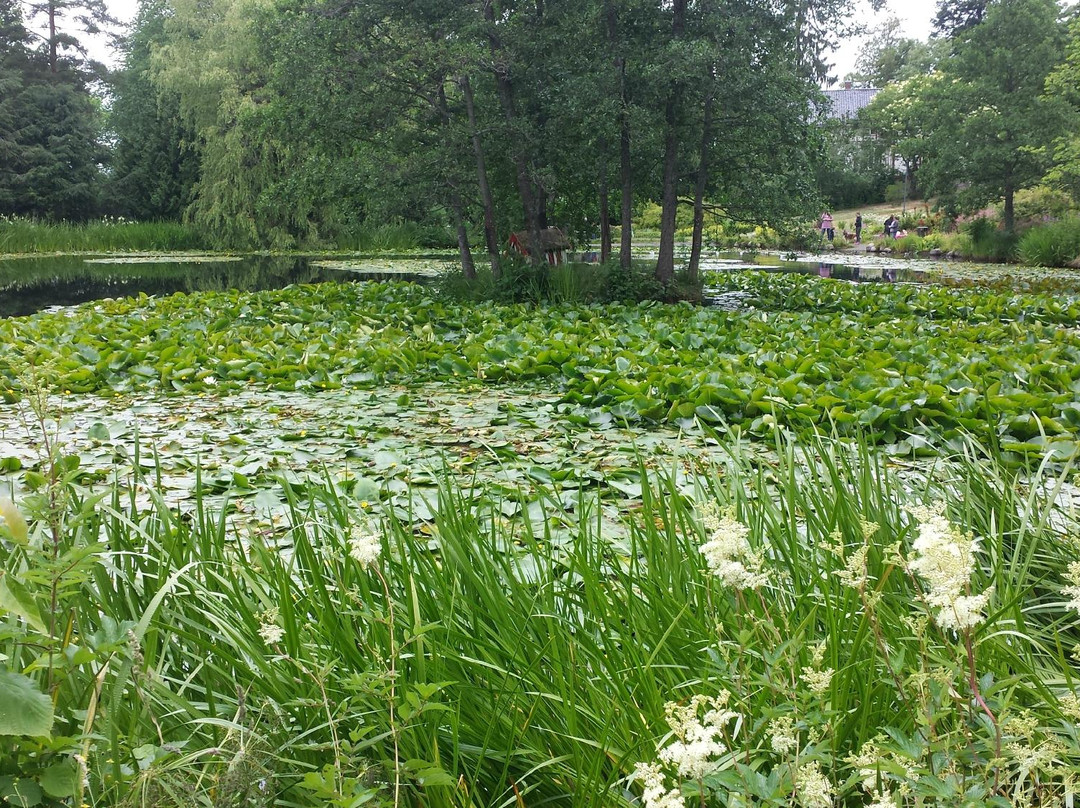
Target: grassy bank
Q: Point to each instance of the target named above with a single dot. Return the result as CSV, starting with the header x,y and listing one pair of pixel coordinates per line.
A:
x,y
108,235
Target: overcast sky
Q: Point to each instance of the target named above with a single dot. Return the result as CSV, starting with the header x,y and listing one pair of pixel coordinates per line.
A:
x,y
916,16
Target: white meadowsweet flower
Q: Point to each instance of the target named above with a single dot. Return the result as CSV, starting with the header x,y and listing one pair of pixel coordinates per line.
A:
x,y
729,555
945,559
883,800
698,728
812,788
782,735
855,573
817,680
1072,591
655,793
1070,705
270,632
365,546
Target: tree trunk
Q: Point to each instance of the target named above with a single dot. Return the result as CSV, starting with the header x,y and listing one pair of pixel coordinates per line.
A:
x,y
456,207
491,238
467,265
625,176
506,99
699,188
605,214
626,213
1008,214
541,208
665,261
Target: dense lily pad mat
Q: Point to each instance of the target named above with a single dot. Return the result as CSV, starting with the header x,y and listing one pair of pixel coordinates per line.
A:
x,y
529,454
901,366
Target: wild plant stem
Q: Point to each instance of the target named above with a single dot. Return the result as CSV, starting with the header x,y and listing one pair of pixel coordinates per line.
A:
x,y
393,686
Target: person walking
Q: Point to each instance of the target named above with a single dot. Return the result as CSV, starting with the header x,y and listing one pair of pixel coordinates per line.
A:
x,y
858,228
827,225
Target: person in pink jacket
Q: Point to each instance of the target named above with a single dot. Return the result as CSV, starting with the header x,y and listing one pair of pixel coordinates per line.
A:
x,y
827,226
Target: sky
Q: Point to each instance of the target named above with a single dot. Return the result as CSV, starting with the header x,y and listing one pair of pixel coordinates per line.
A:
x,y
915,16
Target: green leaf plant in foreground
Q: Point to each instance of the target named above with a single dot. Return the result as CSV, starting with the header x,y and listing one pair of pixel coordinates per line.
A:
x,y
808,630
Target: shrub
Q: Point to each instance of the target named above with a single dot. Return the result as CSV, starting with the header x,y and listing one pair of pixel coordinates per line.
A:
x,y
1042,204
1052,245
895,193
909,244
988,242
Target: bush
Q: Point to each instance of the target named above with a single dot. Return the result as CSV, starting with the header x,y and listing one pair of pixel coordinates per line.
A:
x,y
895,193
1041,204
1052,245
988,243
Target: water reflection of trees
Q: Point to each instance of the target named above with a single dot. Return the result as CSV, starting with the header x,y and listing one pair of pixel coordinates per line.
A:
x,y
28,285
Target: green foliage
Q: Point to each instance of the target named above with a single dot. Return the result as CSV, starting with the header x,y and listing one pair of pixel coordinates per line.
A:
x,y
155,161
21,235
365,655
889,57
1042,204
989,242
397,236
1051,245
50,154
989,122
888,361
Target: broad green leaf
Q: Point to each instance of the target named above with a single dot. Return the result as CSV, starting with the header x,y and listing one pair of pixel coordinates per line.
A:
x,y
17,599
24,710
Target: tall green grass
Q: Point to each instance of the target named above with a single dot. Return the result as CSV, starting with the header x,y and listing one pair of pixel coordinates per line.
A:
x,y
480,662
393,236
1051,245
30,236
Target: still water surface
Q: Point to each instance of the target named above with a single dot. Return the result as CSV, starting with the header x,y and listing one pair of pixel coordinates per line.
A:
x,y
28,285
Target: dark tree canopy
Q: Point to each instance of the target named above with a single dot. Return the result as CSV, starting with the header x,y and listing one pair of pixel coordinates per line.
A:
x,y
956,16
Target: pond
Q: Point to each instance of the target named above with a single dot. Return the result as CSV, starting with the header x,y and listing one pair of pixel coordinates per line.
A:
x,y
28,285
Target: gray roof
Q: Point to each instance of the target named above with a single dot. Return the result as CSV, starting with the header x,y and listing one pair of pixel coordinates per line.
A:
x,y
846,103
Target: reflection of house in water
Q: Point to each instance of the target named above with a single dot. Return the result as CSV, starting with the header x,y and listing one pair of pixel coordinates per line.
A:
x,y
553,242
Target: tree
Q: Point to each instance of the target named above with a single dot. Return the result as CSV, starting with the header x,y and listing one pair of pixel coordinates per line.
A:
x,y
65,22
50,157
956,16
155,159
888,56
1063,85
901,115
993,126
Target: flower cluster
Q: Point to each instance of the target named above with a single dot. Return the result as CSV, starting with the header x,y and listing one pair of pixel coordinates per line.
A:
x,y
699,742
365,545
812,788
729,554
945,559
699,729
269,630
1072,591
815,675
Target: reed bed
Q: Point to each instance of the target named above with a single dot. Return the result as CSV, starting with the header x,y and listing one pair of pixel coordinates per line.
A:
x,y
758,634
